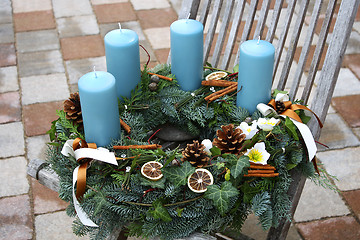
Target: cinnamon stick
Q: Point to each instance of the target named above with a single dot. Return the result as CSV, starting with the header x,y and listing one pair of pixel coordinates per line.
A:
x,y
260,171
258,166
161,76
215,93
227,90
151,146
126,127
262,175
218,83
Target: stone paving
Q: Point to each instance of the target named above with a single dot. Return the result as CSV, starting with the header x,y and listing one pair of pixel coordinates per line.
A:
x,y
46,45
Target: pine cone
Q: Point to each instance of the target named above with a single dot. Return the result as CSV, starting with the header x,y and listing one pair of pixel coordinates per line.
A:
x,y
229,140
195,154
280,107
72,108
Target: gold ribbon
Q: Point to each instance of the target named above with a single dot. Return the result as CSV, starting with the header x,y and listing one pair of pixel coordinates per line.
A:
x,y
81,177
290,109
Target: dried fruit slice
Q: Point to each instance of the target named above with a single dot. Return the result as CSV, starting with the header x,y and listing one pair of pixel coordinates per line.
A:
x,y
152,170
216,75
199,180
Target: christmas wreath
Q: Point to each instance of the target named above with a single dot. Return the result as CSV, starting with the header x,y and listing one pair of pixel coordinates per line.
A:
x,y
235,164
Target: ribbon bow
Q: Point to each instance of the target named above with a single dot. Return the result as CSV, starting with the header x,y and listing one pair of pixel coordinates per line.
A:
x,y
84,152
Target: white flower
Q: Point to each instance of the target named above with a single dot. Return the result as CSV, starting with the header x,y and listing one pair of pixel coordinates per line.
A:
x,y
283,97
208,145
249,131
258,154
267,124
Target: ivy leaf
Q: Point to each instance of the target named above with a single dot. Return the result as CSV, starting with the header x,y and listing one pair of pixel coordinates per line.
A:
x,y
160,212
236,68
276,91
291,128
169,160
221,196
238,164
154,184
178,175
215,151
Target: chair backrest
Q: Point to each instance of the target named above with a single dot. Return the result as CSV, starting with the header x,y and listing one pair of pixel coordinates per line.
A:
x,y
308,36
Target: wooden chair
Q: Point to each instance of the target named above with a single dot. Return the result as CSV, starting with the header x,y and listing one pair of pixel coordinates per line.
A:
x,y
291,26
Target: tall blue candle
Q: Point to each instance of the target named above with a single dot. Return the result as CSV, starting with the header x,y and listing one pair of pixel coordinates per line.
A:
x,y
186,38
123,59
99,106
256,63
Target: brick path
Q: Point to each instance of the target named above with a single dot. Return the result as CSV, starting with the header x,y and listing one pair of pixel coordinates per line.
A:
x,y
46,45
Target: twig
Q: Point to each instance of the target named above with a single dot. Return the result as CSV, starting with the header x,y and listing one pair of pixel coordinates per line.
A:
x,y
153,135
147,63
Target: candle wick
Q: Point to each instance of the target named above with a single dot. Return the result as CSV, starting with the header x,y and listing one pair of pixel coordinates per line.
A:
x,y
188,17
94,71
258,40
119,26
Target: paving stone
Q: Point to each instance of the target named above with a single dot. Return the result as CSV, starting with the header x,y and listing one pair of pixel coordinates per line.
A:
x,y
45,40
353,62
345,165
78,67
38,117
158,37
331,229
146,4
317,202
7,55
32,21
82,47
156,18
336,134
44,88
11,140
36,147
348,108
118,12
53,225
356,26
10,110
143,55
77,26
8,79
352,199
31,6
15,218
162,55
45,199
133,25
98,2
40,63
5,11
6,33
357,132
68,8
13,173
353,46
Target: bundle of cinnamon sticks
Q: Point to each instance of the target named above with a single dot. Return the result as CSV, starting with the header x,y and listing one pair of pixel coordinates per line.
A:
x,y
259,170
229,87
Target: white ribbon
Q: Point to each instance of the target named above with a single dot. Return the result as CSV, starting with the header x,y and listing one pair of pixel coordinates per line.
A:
x,y
303,129
100,154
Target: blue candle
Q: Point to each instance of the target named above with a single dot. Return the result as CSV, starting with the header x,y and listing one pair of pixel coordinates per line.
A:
x,y
123,59
256,63
186,37
99,106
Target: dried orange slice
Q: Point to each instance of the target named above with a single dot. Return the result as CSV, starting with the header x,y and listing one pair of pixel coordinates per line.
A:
x,y
199,180
152,170
216,75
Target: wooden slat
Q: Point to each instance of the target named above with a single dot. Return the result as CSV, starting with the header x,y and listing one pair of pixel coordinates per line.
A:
x,y
262,19
204,11
293,44
239,9
212,27
222,34
318,50
274,21
305,49
281,42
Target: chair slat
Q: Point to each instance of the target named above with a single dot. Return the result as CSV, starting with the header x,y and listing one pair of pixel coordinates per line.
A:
x,y
262,19
274,21
293,44
305,49
222,34
318,50
205,11
212,27
239,9
280,46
